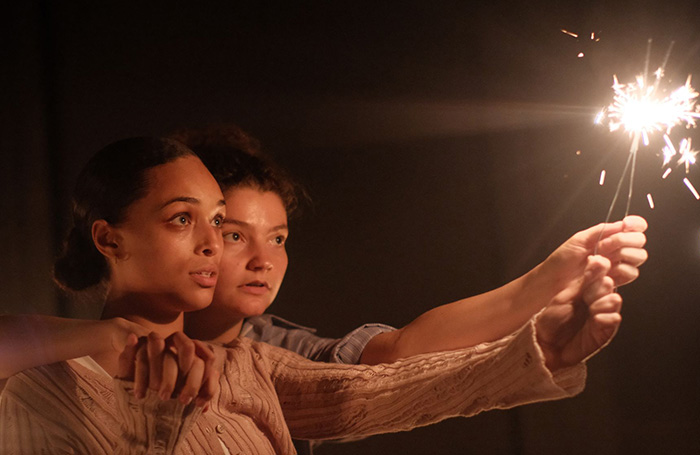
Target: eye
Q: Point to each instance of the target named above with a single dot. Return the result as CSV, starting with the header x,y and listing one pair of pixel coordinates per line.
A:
x,y
218,221
280,240
232,237
181,219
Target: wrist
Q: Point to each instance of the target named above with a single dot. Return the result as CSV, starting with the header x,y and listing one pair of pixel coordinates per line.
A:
x,y
538,287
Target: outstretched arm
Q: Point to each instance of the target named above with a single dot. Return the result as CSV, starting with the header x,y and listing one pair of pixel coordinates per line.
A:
x,y
27,341
541,361
492,315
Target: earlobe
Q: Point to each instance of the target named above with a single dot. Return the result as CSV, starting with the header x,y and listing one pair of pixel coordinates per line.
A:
x,y
107,240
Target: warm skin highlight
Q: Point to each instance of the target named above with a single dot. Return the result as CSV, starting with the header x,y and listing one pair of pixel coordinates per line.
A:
x,y
164,257
253,264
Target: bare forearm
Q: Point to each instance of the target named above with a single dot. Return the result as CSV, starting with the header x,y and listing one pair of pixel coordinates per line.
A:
x,y
27,341
467,322
497,313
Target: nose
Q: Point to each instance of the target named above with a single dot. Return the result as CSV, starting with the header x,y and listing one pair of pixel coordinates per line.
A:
x,y
260,259
210,241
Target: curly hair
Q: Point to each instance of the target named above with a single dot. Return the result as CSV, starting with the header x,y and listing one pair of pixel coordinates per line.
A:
x,y
235,159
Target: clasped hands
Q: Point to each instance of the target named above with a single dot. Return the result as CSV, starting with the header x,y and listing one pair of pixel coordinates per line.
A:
x,y
174,367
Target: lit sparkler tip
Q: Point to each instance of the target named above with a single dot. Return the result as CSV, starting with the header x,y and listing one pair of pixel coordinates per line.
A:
x,y
638,108
691,188
644,107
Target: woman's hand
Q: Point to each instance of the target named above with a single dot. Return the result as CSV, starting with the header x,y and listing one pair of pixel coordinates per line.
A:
x,y
174,367
621,242
581,319
120,331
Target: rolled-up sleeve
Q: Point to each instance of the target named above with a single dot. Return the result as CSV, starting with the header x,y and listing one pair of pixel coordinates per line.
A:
x,y
302,340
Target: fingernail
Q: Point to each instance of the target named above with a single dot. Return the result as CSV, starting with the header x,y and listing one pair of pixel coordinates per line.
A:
x,y
185,399
165,396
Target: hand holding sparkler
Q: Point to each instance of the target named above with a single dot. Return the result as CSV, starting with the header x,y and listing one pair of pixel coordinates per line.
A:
x,y
582,319
622,243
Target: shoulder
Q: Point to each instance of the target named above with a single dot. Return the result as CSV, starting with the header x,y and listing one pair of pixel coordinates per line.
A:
x,y
256,326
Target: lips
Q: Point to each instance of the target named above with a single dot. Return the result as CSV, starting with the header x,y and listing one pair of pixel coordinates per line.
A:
x,y
205,277
255,287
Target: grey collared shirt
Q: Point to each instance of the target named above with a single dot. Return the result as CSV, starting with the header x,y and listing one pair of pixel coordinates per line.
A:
x,y
276,331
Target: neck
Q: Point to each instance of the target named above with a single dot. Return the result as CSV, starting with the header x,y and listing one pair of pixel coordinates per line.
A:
x,y
145,311
141,310
211,325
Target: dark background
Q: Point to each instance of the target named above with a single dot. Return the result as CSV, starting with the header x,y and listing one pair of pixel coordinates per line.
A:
x,y
439,142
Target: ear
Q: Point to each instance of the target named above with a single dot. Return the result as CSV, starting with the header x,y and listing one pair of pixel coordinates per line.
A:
x,y
107,240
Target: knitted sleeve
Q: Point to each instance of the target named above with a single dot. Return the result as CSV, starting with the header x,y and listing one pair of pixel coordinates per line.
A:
x,y
322,401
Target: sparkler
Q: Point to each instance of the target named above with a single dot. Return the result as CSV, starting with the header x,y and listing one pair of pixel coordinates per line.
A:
x,y
642,108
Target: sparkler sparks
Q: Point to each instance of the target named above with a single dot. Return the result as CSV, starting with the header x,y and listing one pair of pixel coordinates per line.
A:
x,y
638,108
691,188
644,107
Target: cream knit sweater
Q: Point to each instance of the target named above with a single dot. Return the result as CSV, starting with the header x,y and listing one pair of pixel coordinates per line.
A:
x,y
268,395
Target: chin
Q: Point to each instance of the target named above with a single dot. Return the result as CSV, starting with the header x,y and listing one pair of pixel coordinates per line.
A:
x,y
198,302
250,309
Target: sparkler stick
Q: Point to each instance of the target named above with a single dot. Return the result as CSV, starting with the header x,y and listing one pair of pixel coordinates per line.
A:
x,y
640,110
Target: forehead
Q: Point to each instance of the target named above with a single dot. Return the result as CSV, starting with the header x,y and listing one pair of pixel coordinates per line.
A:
x,y
249,201
184,177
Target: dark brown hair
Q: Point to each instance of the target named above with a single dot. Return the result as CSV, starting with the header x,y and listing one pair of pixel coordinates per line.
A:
x,y
234,158
113,179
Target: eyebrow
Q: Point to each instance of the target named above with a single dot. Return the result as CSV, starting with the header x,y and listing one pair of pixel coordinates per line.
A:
x,y
189,200
244,224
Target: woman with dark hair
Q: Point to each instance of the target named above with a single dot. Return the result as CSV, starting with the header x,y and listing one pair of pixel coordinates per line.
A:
x,y
157,224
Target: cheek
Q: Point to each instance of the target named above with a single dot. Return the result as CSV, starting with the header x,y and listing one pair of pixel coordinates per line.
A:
x,y
149,252
231,267
281,264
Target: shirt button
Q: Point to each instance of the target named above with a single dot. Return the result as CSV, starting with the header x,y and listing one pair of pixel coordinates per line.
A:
x,y
219,429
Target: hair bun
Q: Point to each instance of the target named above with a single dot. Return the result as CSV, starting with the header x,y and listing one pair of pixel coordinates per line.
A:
x,y
80,266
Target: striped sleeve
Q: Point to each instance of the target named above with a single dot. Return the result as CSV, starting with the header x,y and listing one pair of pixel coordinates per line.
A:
x,y
279,332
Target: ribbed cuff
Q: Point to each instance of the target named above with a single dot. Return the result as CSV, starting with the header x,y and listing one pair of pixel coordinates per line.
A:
x,y
526,379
